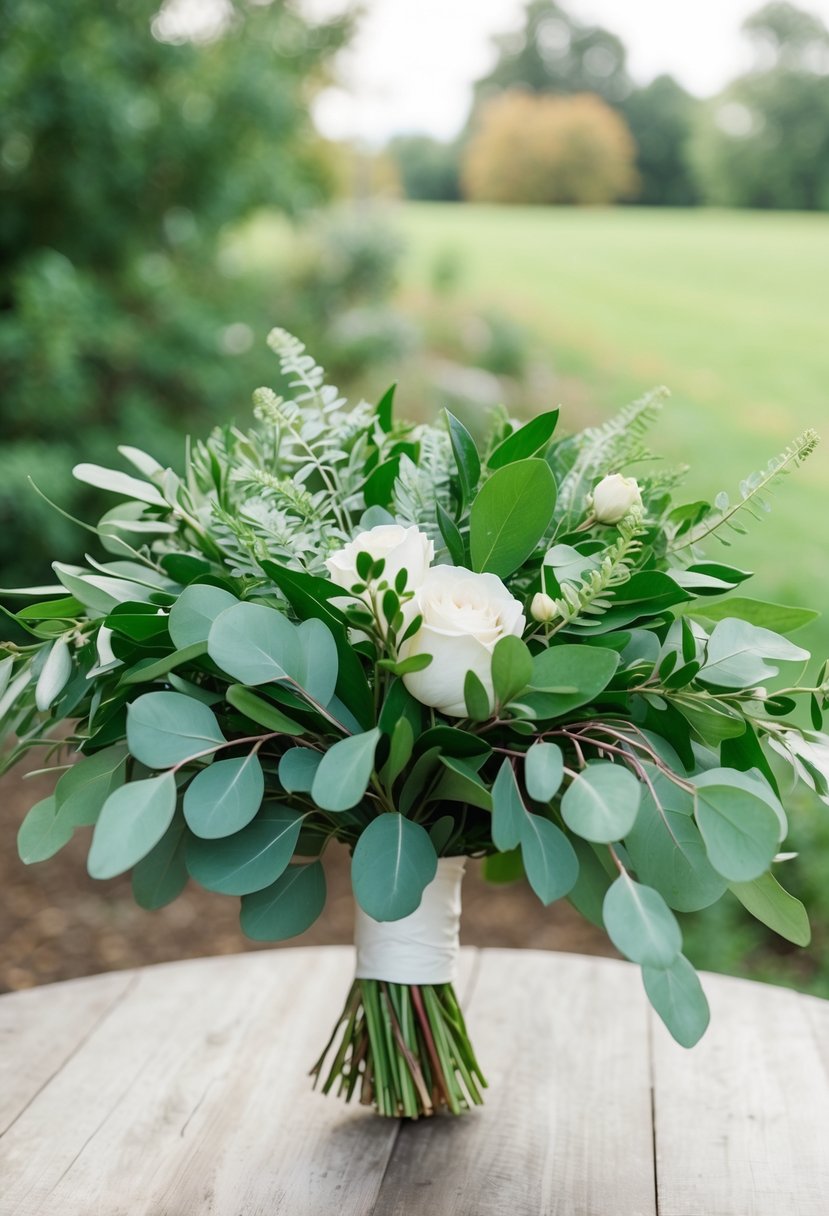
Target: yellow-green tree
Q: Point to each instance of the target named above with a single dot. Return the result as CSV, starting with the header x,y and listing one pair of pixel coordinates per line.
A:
x,y
530,148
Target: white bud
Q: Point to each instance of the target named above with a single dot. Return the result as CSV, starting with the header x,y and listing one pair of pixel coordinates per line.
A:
x,y
543,607
614,497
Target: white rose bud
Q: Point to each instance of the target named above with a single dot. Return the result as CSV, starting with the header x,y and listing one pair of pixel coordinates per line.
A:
x,y
464,616
614,497
543,607
401,549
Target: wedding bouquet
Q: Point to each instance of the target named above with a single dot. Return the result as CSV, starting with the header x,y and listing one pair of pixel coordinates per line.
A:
x,y
339,626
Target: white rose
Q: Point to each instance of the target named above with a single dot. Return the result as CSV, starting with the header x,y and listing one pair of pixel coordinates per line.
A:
x,y
543,607
614,496
401,548
464,615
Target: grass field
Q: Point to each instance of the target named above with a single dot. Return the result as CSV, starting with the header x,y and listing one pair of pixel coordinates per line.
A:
x,y
729,309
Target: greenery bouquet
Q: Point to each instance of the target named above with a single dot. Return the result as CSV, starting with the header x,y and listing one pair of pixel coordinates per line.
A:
x,y
338,626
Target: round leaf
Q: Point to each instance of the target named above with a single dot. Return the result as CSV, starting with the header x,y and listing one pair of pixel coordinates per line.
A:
x,y
549,860
249,860
43,832
677,996
740,829
164,728
393,862
133,820
667,852
255,644
194,612
162,875
640,924
297,769
543,771
287,907
601,803
345,771
223,798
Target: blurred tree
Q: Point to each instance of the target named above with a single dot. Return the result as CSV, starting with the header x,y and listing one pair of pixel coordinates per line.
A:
x,y
555,53
129,137
529,149
660,117
765,141
428,168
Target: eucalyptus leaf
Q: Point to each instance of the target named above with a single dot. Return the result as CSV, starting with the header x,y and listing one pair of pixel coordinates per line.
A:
x,y
161,876
773,906
640,924
345,771
194,612
250,859
298,768
133,819
566,677
549,860
255,645
262,712
602,802
740,829
84,788
42,833
287,907
224,797
667,852
394,861
677,996
166,728
508,810
543,770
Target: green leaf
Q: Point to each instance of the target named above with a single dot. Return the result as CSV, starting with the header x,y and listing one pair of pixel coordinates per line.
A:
x,y
255,645
298,768
394,860
345,771
781,618
677,996
119,483
476,698
740,829
526,441
224,797
668,853
601,804
132,821
84,788
566,677
712,721
145,672
249,860
737,654
462,784
161,876
287,907
771,904
195,610
320,664
400,750
466,457
262,712
451,535
587,896
549,860
164,728
379,485
54,674
384,410
42,833
543,771
640,924
512,668
501,868
510,515
508,810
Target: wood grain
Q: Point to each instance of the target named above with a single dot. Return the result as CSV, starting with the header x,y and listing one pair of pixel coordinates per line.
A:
x,y
181,1090
742,1121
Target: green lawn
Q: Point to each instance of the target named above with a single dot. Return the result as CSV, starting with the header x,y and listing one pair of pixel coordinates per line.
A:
x,y
729,309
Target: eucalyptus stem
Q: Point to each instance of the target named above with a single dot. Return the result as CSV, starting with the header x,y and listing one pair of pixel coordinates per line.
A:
x,y
405,1047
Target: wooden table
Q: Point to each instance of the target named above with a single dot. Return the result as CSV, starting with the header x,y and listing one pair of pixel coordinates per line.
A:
x,y
181,1090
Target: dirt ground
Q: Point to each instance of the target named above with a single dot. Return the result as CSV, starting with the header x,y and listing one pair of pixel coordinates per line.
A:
x,y
56,923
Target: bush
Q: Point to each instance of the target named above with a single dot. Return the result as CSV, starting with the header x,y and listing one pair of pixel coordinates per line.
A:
x,y
545,149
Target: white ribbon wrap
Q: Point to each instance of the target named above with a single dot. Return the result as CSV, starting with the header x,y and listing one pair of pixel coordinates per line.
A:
x,y
421,948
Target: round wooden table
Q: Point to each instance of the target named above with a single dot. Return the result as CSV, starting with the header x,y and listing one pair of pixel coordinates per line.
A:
x,y
181,1090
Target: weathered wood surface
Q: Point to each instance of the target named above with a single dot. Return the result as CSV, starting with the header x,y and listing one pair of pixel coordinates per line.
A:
x,y
181,1090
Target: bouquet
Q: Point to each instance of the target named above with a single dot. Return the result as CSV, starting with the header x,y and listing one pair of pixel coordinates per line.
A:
x,y
338,626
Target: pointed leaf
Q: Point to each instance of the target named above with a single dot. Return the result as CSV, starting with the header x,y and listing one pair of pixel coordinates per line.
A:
x,y
677,996
133,820
510,515
223,798
640,924
345,771
42,833
249,860
161,876
771,904
549,860
287,907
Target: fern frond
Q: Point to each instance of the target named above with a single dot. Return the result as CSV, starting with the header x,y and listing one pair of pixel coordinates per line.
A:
x,y
752,491
588,597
